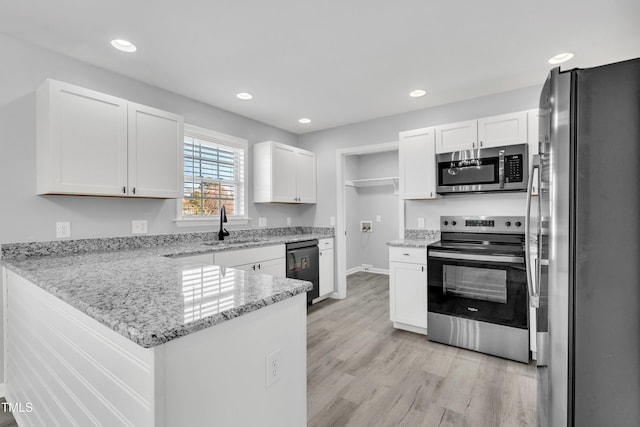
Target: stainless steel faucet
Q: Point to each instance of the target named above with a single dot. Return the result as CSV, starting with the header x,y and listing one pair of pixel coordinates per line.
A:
x,y
223,218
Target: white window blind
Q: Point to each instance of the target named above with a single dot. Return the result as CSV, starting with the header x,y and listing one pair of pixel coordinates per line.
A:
x,y
214,174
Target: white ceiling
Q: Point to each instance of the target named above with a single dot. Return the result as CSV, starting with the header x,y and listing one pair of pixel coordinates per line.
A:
x,y
333,61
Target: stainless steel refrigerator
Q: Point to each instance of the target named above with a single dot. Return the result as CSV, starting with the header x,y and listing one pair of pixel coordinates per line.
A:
x,y
586,247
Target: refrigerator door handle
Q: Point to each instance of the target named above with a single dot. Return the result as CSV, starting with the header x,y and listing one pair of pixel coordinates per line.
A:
x,y
534,298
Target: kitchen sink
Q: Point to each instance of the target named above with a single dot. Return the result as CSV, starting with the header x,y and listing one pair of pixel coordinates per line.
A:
x,y
232,241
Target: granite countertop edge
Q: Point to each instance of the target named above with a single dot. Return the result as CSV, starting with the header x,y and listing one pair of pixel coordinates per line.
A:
x,y
412,243
153,337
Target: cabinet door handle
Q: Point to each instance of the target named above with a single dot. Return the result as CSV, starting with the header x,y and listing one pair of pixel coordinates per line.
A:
x,y
480,143
258,266
405,254
134,190
473,145
422,268
124,190
253,267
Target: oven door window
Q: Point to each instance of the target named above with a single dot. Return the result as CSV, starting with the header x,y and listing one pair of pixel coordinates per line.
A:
x,y
476,283
489,292
466,172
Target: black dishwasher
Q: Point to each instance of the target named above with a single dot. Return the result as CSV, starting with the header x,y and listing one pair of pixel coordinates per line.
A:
x,y
302,264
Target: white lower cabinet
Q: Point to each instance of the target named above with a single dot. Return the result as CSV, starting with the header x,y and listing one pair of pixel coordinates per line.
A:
x,y
408,288
274,267
326,264
265,259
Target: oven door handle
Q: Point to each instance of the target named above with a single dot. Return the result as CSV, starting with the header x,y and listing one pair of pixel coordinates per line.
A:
x,y
534,297
475,257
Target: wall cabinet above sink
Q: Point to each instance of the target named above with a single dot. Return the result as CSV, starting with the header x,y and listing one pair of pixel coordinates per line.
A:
x,y
91,143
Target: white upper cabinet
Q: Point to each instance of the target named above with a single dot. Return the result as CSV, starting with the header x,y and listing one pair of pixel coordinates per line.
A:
x,y
417,167
90,143
506,129
81,141
154,156
456,136
283,174
496,131
306,176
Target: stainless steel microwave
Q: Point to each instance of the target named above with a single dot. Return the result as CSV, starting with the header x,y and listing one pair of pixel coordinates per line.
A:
x,y
483,170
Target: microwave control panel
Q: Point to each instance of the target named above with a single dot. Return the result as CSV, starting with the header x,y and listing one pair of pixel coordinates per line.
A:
x,y
513,168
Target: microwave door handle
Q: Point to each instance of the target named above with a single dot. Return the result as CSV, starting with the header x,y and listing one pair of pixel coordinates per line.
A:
x,y
501,168
533,296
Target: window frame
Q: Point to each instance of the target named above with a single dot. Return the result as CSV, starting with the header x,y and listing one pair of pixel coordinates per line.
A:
x,y
224,140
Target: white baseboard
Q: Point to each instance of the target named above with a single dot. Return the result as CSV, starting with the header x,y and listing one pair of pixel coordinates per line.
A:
x,y
370,270
354,270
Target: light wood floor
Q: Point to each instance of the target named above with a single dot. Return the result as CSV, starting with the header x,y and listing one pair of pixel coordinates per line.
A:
x,y
363,372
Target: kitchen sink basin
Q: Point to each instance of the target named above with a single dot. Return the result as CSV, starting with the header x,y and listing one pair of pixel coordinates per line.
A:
x,y
232,241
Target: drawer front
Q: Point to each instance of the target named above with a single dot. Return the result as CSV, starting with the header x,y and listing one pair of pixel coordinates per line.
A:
x,y
412,255
246,256
325,244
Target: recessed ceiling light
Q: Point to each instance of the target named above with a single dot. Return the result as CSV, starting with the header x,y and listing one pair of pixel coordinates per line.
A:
x,y
561,57
244,95
417,93
123,45
304,120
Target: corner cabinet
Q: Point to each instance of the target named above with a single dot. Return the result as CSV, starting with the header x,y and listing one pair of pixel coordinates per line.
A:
x,y
90,143
417,168
408,288
283,174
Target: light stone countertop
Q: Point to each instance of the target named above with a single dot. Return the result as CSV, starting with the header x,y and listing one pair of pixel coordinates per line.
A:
x,y
413,243
150,298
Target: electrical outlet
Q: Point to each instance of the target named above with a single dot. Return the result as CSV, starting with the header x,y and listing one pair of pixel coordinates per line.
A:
x,y
262,221
367,267
288,220
420,222
273,368
63,230
139,227
378,218
332,220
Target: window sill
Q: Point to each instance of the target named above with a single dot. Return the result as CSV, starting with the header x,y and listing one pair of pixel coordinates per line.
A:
x,y
200,222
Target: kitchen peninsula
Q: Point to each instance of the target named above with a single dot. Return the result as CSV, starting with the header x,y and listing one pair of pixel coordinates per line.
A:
x,y
139,337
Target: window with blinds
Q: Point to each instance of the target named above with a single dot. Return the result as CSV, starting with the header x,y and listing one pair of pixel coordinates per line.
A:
x,y
214,174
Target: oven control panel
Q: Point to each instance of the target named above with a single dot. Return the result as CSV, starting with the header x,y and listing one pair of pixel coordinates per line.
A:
x,y
482,224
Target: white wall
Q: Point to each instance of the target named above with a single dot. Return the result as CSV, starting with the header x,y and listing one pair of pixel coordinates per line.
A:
x,y
365,204
377,131
28,217
462,204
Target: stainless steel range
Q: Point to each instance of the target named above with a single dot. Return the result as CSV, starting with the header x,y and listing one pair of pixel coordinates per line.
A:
x,y
477,286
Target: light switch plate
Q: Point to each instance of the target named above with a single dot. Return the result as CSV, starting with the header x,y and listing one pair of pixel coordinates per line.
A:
x,y
378,218
262,221
420,222
288,220
332,220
